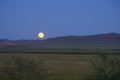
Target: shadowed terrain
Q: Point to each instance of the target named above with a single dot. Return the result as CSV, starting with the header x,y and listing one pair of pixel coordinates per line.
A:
x,y
99,41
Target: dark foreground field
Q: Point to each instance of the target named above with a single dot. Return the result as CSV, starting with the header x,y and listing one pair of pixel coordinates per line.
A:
x,y
60,66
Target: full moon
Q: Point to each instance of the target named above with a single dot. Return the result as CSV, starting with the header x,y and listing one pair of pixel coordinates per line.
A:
x,y
41,35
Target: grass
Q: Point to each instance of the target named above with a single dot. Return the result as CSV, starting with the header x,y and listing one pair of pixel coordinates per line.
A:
x,y
60,66
59,51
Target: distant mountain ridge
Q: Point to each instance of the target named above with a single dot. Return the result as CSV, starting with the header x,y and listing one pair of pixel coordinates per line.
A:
x,y
98,41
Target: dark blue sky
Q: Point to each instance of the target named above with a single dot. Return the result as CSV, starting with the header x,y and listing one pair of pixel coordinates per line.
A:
x,y
23,19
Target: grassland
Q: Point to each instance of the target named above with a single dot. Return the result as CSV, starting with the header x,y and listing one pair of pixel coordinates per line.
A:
x,y
61,64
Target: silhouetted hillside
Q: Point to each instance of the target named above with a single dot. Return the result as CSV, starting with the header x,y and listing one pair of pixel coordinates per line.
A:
x,y
99,41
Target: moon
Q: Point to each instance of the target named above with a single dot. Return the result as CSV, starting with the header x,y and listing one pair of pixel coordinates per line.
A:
x,y
41,35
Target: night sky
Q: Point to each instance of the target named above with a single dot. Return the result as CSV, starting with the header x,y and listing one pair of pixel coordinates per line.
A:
x,y
24,19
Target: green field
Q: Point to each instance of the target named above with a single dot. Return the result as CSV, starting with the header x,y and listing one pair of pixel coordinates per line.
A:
x,y
61,51
61,64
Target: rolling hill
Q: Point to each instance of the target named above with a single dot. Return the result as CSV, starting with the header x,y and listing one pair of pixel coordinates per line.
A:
x,y
99,41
